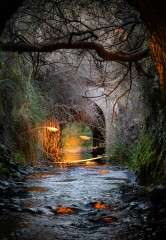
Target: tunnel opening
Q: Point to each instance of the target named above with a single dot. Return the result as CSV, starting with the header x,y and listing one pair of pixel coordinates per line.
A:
x,y
76,137
61,140
76,142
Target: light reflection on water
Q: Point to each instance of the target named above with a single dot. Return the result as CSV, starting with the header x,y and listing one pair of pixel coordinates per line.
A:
x,y
69,157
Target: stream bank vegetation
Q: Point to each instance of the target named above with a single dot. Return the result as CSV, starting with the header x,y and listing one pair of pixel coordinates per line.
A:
x,y
23,106
147,155
145,158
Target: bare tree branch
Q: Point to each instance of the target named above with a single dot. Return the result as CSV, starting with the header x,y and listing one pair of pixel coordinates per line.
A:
x,y
140,68
100,50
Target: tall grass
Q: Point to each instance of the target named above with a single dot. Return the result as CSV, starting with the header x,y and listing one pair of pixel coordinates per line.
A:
x,y
24,107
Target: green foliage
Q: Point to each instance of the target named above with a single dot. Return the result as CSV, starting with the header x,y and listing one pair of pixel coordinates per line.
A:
x,y
20,158
28,110
24,106
159,172
71,136
144,154
120,150
3,169
150,163
145,151
145,157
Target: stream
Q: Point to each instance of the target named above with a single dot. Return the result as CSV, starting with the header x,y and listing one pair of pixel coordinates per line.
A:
x,y
85,201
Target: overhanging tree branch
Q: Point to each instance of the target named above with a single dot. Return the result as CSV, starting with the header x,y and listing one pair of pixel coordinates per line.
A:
x,y
103,53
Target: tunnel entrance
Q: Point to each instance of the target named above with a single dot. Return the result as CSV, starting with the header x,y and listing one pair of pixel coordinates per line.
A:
x,y
72,142
76,142
76,137
84,137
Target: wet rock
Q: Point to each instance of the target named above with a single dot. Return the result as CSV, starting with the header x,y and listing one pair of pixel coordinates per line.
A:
x,y
15,174
4,185
61,210
49,207
33,211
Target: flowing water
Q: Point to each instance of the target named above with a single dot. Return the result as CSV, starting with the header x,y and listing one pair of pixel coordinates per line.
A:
x,y
84,202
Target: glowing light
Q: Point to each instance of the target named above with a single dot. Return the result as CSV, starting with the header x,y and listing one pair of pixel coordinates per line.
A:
x,y
84,160
158,55
51,139
47,138
91,163
53,129
86,138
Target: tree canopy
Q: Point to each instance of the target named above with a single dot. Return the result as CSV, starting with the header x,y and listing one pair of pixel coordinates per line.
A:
x,y
112,29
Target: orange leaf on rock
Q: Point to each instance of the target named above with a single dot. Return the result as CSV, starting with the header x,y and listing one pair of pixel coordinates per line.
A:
x,y
103,171
101,206
65,210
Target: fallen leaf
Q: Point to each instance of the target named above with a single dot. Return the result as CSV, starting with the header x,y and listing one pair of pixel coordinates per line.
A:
x,y
65,210
101,206
103,171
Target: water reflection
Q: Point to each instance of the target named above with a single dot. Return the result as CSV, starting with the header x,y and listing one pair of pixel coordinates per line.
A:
x,y
36,188
70,157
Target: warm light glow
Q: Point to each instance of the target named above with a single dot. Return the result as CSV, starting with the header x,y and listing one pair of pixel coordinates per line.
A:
x,y
86,138
51,139
159,56
53,129
47,138
69,158
90,163
76,139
